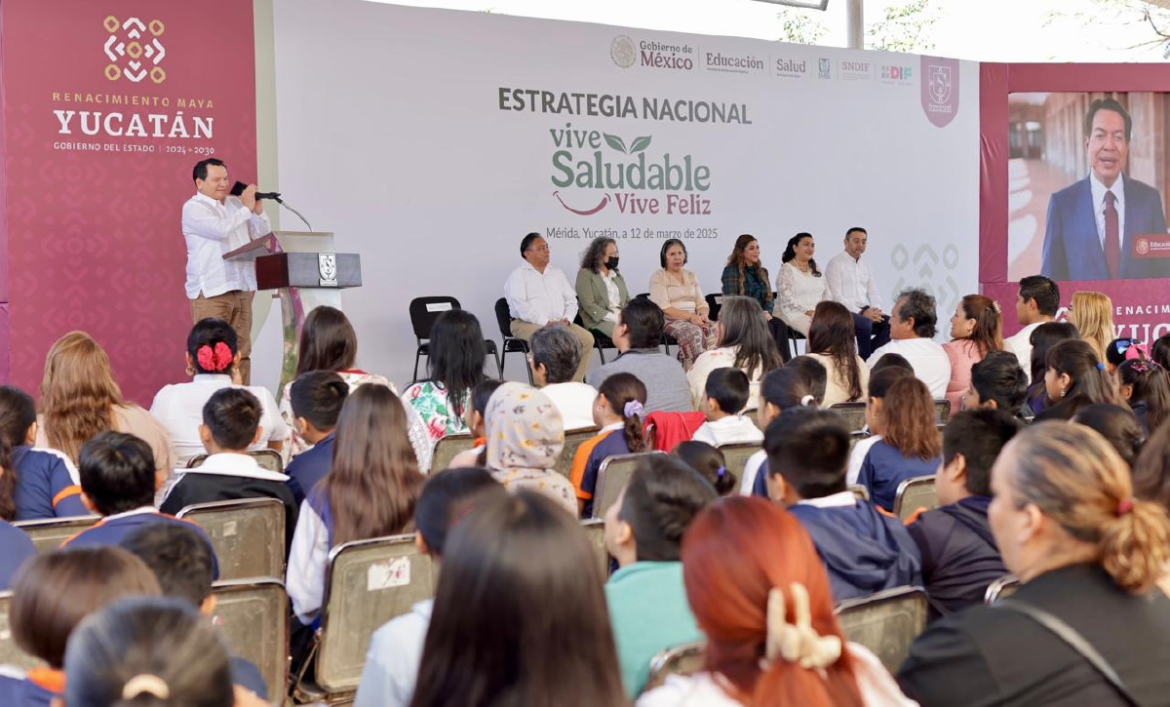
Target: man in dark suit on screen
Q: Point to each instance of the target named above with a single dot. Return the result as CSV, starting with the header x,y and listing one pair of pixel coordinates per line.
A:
x,y
1093,225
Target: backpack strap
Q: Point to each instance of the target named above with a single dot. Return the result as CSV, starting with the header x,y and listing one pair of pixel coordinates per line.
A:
x,y
1074,640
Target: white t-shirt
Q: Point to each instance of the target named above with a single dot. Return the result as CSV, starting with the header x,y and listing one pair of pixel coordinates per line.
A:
x,y
733,429
926,356
1020,344
575,402
179,408
877,687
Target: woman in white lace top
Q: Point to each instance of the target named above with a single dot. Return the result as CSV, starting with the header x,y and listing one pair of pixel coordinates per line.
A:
x,y
800,285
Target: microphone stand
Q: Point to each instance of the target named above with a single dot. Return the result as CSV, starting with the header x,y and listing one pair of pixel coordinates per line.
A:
x,y
280,201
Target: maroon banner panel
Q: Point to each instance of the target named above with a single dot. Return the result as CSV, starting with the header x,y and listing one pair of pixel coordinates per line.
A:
x,y
107,106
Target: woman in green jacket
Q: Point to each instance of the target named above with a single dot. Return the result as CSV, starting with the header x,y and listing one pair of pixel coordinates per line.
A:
x,y
601,290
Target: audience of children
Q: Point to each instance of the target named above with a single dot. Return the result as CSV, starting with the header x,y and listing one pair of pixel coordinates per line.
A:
x,y
231,424
618,411
1145,388
118,482
710,464
370,492
727,394
902,412
184,565
213,357
644,530
863,550
959,554
316,398
396,648
51,595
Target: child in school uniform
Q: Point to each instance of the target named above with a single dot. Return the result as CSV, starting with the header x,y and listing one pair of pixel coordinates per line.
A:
x,y
782,389
862,550
727,393
618,411
477,455
118,481
316,398
46,481
51,595
183,563
231,424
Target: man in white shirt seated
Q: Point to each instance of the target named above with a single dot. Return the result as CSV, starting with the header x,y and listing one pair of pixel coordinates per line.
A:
x,y
912,335
851,283
539,293
1036,304
214,223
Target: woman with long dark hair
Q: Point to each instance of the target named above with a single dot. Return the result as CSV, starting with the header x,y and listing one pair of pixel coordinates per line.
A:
x,y
520,616
976,330
601,289
329,343
454,368
832,342
1075,378
801,286
369,492
744,343
767,612
677,292
746,276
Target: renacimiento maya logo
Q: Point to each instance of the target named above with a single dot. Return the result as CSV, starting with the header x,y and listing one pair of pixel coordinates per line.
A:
x,y
586,161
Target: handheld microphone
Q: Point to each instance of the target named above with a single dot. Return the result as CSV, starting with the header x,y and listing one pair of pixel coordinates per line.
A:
x,y
239,187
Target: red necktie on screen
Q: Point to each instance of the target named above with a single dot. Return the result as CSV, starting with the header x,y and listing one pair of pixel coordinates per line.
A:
x,y
1112,236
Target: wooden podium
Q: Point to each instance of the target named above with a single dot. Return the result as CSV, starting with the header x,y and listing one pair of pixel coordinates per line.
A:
x,y
306,273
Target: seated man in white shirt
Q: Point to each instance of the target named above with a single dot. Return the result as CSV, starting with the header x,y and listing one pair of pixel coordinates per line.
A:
x,y
555,356
1036,304
539,293
215,223
911,332
851,283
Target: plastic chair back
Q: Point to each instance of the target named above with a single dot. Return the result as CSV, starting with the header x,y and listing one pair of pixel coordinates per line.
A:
x,y
368,583
886,623
48,534
248,535
914,494
253,616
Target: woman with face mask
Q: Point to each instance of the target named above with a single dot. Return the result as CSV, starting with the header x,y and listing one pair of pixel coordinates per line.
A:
x,y
601,289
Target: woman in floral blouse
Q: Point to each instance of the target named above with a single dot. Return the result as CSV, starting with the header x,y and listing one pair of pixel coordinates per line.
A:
x,y
454,368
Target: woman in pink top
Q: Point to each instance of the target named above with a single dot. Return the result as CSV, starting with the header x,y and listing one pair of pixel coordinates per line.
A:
x,y
976,328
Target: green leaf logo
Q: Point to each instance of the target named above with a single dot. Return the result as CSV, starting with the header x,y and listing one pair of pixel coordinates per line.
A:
x,y
640,144
615,142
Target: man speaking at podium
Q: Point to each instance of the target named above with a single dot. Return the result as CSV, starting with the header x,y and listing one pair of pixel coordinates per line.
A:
x,y
214,223
1105,226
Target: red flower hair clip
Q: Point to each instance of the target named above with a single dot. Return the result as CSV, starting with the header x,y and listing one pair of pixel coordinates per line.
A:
x,y
214,359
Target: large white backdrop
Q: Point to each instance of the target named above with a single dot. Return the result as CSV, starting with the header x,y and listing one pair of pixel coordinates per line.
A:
x,y
431,141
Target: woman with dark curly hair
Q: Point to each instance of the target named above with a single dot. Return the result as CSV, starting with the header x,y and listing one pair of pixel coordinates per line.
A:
x,y
601,290
746,275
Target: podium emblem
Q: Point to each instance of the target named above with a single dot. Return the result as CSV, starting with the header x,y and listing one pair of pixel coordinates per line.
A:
x,y
327,269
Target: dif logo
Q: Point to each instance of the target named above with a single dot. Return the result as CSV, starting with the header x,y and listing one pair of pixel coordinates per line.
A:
x,y
825,68
897,73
